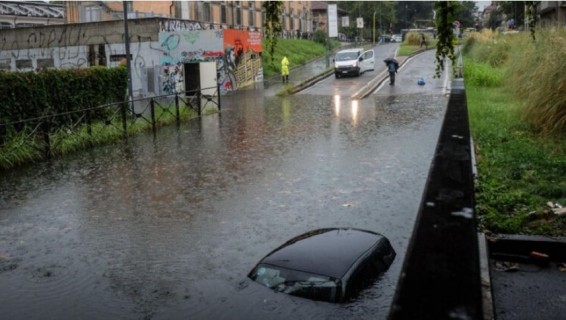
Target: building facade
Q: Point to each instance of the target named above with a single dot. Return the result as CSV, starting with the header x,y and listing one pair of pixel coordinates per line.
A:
x,y
239,15
17,14
552,13
163,36
159,47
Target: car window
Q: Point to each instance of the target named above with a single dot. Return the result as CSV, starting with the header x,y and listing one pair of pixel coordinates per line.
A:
x,y
345,56
368,54
297,283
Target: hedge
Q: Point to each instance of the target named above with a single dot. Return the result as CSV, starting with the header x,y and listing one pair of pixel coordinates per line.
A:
x,y
28,95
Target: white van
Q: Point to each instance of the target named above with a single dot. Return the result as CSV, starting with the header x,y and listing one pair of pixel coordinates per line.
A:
x,y
353,61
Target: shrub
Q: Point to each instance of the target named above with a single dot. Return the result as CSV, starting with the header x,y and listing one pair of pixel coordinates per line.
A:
x,y
319,36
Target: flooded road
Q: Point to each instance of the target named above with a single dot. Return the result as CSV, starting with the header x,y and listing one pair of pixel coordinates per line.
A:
x,y
167,226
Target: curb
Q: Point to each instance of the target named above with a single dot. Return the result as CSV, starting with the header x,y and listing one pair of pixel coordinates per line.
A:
x,y
520,247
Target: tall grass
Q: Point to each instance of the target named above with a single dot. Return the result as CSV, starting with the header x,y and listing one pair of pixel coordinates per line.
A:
x,y
534,71
537,73
519,169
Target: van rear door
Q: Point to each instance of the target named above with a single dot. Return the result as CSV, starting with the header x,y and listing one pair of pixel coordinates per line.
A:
x,y
368,61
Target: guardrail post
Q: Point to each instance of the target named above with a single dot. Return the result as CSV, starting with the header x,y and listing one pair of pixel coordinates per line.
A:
x,y
177,107
88,126
152,109
123,111
46,140
218,92
199,102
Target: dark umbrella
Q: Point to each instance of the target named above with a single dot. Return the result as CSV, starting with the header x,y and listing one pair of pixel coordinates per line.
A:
x,y
391,60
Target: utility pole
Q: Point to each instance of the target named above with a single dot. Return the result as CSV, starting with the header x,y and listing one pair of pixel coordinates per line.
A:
x,y
128,63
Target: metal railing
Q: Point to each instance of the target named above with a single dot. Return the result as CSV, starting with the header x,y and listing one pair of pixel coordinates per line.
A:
x,y
46,133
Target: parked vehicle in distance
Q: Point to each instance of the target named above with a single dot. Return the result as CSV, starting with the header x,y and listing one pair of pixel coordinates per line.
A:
x,y
332,264
396,38
353,61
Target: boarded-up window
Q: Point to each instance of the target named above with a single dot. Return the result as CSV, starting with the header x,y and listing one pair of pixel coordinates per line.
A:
x,y
24,64
5,64
45,63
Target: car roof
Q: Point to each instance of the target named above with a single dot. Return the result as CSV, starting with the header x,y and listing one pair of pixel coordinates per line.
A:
x,y
330,252
351,50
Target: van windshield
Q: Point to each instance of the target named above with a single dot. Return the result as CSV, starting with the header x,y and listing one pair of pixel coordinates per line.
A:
x,y
345,56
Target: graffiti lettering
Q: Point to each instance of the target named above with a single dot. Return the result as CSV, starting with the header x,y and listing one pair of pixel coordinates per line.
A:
x,y
178,25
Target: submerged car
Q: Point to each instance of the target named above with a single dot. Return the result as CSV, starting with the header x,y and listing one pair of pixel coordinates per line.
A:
x,y
353,61
332,264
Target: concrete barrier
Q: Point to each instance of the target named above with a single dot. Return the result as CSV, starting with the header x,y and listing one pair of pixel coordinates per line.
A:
x,y
441,277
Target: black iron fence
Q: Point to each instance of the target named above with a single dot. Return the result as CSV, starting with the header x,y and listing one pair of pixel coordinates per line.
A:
x,y
46,135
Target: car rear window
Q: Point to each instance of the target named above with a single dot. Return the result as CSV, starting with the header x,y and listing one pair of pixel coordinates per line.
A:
x,y
297,283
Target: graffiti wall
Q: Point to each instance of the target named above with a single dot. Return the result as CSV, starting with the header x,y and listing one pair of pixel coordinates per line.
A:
x,y
237,54
186,46
157,59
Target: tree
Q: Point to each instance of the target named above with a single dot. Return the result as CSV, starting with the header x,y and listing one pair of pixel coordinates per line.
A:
x,y
273,26
445,17
467,12
413,14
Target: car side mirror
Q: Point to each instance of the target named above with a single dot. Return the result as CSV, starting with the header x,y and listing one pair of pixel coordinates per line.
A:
x,y
333,60
361,58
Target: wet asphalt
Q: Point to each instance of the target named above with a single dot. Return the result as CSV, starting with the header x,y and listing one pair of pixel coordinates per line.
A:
x,y
167,226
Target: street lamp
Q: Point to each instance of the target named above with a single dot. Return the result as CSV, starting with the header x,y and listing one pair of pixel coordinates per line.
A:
x,y
374,27
406,16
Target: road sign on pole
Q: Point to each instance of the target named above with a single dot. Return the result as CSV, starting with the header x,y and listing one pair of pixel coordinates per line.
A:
x,y
360,23
332,20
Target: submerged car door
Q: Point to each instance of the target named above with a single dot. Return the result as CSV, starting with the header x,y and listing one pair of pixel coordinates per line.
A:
x,y
368,61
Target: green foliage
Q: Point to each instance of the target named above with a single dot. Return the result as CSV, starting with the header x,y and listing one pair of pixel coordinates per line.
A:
x,y
273,26
481,74
445,16
518,171
28,95
319,36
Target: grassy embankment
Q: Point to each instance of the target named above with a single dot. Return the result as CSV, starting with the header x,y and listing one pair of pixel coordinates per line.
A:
x,y
517,108
298,51
25,147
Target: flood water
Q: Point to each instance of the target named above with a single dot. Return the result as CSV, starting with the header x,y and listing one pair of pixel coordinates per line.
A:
x,y
167,226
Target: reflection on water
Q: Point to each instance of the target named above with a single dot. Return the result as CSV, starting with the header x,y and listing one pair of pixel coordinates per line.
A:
x,y
167,226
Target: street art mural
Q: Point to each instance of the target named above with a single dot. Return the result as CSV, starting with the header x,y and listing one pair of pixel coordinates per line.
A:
x,y
242,56
237,55
186,46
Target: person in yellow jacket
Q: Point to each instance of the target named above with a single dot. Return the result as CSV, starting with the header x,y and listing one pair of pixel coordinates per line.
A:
x,y
285,69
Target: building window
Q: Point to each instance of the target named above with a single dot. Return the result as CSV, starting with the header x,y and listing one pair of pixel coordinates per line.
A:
x,y
25,64
205,14
6,25
292,22
5,64
91,14
45,63
223,14
251,15
238,16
